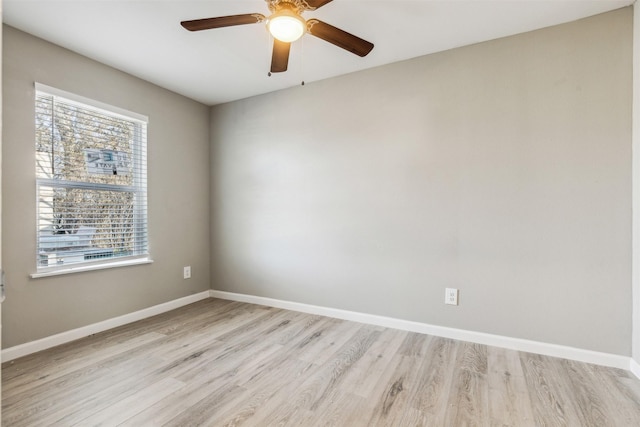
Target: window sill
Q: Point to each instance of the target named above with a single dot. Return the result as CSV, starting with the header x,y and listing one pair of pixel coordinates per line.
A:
x,y
82,268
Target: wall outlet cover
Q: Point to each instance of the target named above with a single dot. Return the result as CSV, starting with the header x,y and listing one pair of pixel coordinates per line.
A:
x,y
451,296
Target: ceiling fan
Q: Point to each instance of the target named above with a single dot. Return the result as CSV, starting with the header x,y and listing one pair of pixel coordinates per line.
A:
x,y
287,25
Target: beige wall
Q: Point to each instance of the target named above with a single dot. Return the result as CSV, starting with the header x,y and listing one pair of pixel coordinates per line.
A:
x,y
178,192
636,184
502,169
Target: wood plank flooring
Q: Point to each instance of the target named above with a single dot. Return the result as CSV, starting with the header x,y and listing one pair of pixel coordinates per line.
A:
x,y
222,363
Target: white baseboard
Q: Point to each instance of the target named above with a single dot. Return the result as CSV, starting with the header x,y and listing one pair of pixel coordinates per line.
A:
x,y
634,367
74,334
565,352
604,359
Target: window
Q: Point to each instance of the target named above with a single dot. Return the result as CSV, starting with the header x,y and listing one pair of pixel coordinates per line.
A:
x,y
91,182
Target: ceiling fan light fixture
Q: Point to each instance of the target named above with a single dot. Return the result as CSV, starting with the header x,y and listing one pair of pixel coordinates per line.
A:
x,y
286,26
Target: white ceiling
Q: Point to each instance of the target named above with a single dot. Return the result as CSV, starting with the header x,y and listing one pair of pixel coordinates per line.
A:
x,y
144,37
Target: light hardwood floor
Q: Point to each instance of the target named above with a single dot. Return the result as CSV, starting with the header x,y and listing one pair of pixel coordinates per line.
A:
x,y
221,363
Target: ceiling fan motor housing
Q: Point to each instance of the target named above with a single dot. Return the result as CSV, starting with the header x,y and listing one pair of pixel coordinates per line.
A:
x,y
296,6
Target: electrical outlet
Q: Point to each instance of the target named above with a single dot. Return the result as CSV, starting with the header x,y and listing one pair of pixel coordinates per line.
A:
x,y
451,296
187,272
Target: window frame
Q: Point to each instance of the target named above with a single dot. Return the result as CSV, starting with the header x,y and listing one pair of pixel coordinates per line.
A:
x,y
138,188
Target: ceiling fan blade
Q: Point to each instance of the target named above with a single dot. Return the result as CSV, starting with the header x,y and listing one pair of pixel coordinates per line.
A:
x,y
280,57
222,21
339,37
316,4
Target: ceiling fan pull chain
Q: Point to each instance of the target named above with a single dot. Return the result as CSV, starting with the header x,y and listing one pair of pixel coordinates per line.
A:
x,y
302,60
268,52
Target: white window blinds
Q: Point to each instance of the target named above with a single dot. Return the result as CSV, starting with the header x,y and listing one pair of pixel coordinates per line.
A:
x,y
91,176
